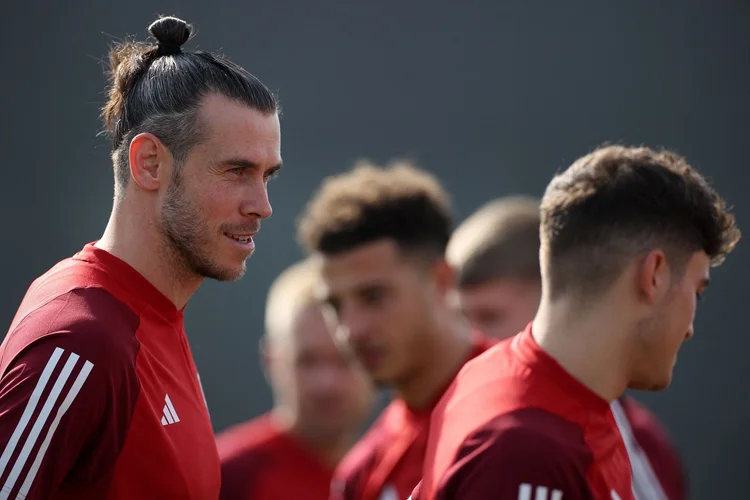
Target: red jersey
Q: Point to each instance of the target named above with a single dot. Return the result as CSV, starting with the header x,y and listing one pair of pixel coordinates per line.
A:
x,y
386,463
259,460
516,426
99,395
657,469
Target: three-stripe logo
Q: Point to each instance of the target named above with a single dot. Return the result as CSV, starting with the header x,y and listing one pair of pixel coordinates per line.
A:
x,y
45,419
525,491
169,413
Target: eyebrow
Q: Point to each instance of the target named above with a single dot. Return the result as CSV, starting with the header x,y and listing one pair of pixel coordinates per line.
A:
x,y
245,163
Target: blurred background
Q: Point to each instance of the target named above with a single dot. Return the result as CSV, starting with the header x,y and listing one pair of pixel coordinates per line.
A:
x,y
493,97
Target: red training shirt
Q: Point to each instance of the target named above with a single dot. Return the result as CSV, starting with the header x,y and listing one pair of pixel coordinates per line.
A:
x,y
658,472
386,463
516,426
259,460
99,395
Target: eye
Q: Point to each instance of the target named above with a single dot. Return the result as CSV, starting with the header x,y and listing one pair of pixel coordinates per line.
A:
x,y
271,175
236,171
373,296
333,305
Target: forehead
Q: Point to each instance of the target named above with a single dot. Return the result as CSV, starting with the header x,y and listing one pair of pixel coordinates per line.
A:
x,y
309,330
370,262
699,266
238,130
487,291
496,292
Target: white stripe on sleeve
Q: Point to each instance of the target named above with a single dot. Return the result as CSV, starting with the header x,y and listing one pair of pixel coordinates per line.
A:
x,y
10,447
72,393
41,421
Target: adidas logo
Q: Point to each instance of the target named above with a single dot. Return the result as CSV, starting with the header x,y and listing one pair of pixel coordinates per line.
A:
x,y
525,491
170,415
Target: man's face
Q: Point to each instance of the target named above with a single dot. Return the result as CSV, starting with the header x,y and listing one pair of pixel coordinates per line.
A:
x,y
382,304
328,392
660,336
215,201
500,308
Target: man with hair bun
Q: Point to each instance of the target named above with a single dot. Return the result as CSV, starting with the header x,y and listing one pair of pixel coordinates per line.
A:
x,y
99,394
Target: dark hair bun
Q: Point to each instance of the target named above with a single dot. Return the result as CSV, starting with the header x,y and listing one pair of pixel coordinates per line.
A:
x,y
170,33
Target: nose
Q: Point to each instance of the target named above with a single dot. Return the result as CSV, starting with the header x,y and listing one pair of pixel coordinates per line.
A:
x,y
326,379
690,332
257,203
353,325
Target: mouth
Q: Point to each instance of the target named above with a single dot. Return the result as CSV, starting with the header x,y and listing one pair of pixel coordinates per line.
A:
x,y
243,240
370,357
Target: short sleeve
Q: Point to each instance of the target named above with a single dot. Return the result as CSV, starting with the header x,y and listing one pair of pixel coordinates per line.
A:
x,y
65,405
515,464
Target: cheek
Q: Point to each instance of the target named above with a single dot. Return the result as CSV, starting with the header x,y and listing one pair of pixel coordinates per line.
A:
x,y
218,202
687,309
298,381
285,379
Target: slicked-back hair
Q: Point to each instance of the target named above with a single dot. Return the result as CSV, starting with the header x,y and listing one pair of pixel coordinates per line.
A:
x,y
617,203
498,241
399,202
158,88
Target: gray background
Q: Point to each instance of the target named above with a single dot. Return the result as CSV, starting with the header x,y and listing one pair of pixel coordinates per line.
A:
x,y
491,96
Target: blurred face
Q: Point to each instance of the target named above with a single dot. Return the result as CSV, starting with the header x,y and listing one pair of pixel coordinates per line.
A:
x,y
382,306
327,393
660,335
215,201
500,308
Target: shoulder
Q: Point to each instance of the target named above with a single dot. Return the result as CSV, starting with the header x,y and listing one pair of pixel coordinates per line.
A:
x,y
246,440
481,343
88,322
483,388
246,452
528,434
490,361
514,451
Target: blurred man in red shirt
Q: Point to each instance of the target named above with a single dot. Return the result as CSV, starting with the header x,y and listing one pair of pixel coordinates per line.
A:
x,y
496,256
628,236
321,400
380,235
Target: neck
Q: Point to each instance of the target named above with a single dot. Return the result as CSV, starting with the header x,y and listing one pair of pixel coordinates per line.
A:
x,y
329,450
590,344
449,348
135,239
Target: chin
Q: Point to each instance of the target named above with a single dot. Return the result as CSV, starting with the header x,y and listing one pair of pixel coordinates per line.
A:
x,y
381,379
231,274
651,384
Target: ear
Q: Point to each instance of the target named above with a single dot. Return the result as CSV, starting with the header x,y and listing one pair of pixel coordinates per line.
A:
x,y
444,276
149,161
265,357
652,276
